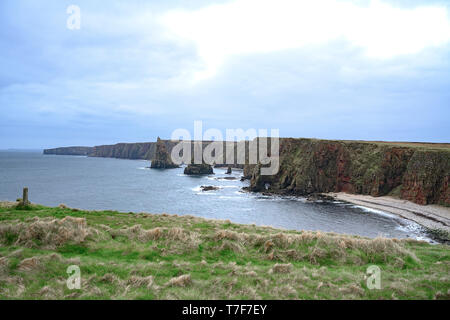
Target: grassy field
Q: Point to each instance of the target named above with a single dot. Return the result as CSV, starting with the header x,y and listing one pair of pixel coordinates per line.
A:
x,y
146,256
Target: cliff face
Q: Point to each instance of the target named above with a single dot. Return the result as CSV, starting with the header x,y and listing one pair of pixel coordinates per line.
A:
x,y
142,150
70,151
416,173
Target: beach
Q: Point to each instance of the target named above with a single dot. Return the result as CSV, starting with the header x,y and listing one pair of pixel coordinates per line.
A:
x,y
432,217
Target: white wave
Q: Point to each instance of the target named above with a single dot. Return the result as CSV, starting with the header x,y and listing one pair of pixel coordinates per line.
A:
x,y
205,193
229,197
410,227
379,212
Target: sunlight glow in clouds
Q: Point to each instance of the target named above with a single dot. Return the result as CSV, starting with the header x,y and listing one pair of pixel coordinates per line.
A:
x,y
260,26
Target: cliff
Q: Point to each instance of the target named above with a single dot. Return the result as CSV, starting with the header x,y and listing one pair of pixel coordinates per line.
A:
x,y
70,151
411,171
139,150
143,150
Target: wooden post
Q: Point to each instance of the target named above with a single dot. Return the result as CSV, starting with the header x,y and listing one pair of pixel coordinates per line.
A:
x,y
25,201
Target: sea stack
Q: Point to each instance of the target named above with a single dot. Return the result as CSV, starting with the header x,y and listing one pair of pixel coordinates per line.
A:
x,y
197,169
162,158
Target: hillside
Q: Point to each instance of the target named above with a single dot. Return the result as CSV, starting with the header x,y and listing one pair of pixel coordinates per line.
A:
x,y
146,256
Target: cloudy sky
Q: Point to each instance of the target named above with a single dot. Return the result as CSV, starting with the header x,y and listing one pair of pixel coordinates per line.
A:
x,y
135,70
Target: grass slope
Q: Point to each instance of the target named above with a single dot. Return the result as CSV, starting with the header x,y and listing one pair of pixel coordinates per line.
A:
x,y
144,256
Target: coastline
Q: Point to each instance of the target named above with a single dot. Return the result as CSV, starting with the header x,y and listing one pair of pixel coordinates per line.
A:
x,y
435,218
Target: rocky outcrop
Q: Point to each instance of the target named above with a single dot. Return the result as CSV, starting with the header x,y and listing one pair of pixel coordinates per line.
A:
x,y
415,172
162,159
198,169
209,188
70,151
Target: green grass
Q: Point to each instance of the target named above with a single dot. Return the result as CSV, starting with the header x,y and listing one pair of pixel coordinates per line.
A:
x,y
144,256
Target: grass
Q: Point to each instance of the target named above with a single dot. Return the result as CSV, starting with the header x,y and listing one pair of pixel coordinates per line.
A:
x,y
145,256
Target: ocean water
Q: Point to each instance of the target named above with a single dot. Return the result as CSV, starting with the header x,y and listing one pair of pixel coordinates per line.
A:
x,y
128,185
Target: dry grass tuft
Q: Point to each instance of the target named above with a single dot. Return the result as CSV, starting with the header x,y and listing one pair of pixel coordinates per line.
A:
x,y
316,253
136,281
178,234
110,278
4,263
286,291
442,296
48,292
7,204
29,264
181,281
251,274
233,246
136,232
46,232
226,234
353,289
268,245
281,268
153,234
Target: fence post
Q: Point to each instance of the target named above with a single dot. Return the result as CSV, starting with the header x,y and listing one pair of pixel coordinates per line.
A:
x,y
25,201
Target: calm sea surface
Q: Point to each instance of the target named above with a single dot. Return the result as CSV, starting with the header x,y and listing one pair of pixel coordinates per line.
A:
x,y
127,185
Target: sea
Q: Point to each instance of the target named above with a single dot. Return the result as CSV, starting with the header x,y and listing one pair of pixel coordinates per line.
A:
x,y
130,186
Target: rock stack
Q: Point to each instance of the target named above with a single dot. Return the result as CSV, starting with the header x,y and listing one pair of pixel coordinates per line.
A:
x,y
197,169
162,158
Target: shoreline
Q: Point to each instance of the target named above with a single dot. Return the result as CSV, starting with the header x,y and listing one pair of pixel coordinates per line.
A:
x,y
434,218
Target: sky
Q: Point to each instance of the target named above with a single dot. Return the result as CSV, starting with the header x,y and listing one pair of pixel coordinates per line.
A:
x,y
135,70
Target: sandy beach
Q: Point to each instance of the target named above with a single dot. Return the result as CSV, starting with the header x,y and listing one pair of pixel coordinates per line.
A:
x,y
432,217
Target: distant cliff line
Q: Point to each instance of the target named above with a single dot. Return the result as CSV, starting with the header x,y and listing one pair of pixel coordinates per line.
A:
x,y
140,150
414,171
133,151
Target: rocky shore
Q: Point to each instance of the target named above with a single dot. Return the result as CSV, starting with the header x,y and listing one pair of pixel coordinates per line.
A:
x,y
435,218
